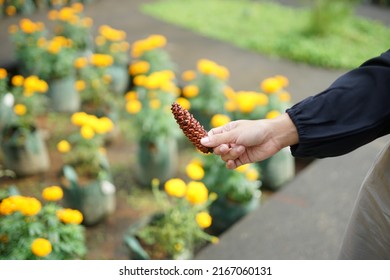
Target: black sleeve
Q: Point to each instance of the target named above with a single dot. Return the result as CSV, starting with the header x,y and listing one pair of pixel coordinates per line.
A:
x,y
353,111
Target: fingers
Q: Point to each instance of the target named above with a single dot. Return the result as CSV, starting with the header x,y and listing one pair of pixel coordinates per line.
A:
x,y
220,135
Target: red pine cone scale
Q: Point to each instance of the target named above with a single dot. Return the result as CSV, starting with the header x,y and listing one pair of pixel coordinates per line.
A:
x,y
191,127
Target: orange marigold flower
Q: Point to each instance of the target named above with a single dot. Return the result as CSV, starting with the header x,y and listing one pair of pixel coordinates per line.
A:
x,y
190,91
188,75
70,216
3,73
133,106
20,109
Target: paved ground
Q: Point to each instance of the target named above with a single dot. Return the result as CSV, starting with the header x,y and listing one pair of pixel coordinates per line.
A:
x,y
307,218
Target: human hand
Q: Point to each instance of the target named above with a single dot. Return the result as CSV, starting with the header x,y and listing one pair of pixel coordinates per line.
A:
x,y
246,141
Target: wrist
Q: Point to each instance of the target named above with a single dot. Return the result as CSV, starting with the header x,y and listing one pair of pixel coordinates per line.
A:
x,y
284,131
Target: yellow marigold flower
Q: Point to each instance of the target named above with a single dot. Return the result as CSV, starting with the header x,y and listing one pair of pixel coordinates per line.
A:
x,y
230,106
222,73
206,66
20,109
17,80
13,28
197,193
203,219
155,182
262,99
284,96
70,216
188,75
179,247
63,146
79,118
271,85
52,14
175,187
80,85
27,26
246,101
139,67
66,14
252,174
10,10
53,193
112,34
9,205
184,102
3,73
194,171
41,247
77,7
155,103
107,79
243,168
219,120
102,60
131,95
100,40
140,80
80,62
190,91
215,240
87,132
104,125
87,22
30,206
54,47
133,106
282,80
272,114
229,92
157,41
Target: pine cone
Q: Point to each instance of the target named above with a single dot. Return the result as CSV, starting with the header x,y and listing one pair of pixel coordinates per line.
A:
x,y
190,127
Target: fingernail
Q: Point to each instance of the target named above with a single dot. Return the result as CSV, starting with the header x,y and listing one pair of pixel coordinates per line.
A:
x,y
205,140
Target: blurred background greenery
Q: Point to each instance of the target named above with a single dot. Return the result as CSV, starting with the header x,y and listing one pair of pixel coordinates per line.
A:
x,y
323,33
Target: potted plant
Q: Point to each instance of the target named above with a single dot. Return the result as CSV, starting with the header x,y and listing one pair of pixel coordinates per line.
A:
x,y
30,230
86,176
178,230
155,128
151,50
237,190
113,42
25,37
22,144
70,22
205,90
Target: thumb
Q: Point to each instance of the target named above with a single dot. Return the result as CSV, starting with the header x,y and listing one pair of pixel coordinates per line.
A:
x,y
218,137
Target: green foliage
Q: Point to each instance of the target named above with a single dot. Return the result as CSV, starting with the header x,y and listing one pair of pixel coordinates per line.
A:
x,y
233,185
276,30
175,230
18,231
